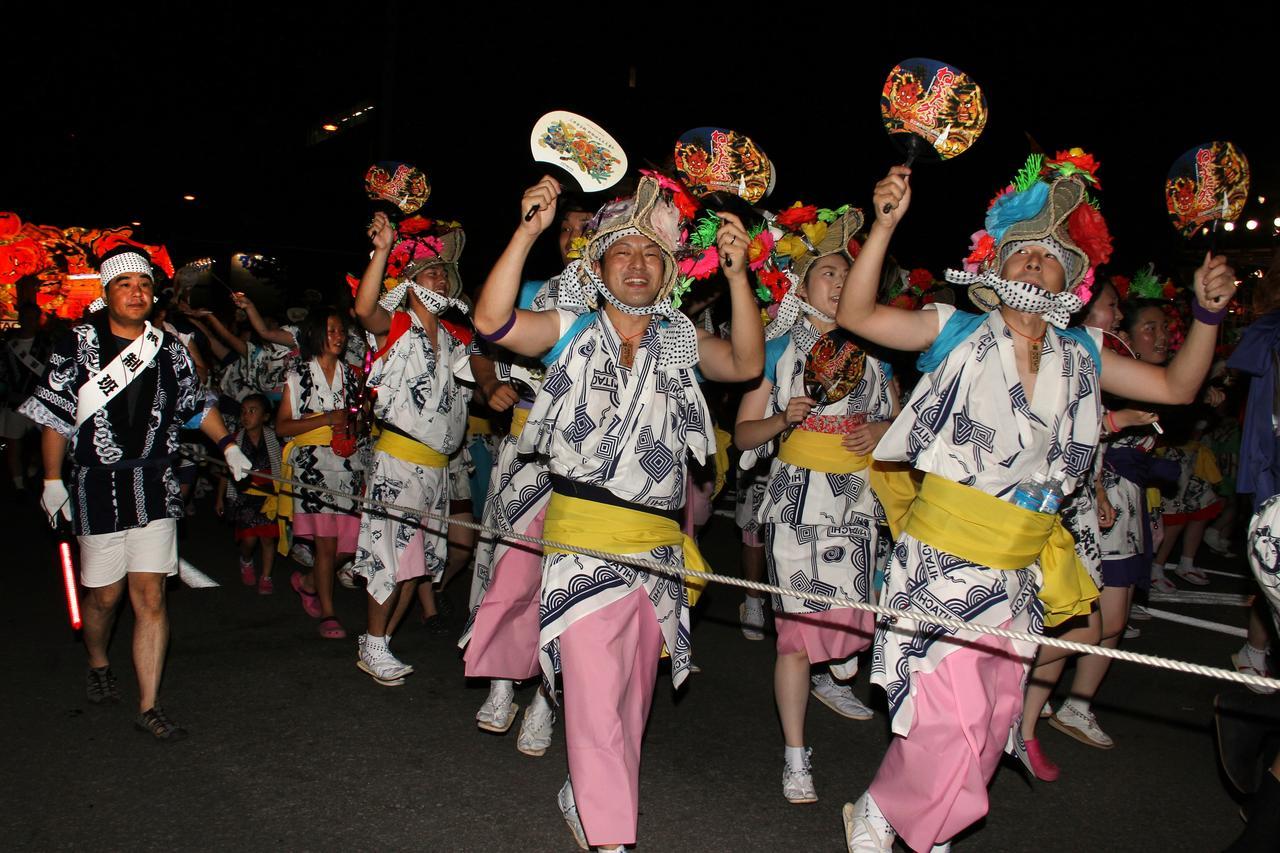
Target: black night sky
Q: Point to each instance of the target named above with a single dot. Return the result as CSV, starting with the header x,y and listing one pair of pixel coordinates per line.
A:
x,y
115,115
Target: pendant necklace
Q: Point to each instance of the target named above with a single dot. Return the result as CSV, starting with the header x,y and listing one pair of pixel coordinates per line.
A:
x,y
1033,348
627,351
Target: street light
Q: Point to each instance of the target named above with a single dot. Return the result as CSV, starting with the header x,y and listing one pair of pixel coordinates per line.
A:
x,y
329,127
1228,226
188,197
1252,224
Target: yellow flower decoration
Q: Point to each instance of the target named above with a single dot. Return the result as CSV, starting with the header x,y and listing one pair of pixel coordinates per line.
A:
x,y
815,231
576,245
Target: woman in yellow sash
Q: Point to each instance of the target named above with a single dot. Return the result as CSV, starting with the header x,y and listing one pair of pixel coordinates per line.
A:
x,y
819,513
1006,395
318,391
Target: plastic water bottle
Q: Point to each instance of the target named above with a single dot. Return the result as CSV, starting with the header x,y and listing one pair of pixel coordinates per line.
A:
x,y
1030,493
1053,496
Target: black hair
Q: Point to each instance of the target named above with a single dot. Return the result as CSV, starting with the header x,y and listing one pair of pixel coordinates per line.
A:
x,y
261,400
1133,306
314,330
1099,286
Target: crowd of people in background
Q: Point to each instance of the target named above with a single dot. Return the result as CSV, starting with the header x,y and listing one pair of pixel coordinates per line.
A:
x,y
591,407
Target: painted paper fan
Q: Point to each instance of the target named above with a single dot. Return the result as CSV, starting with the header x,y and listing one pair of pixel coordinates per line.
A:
x,y
580,147
403,185
834,367
928,101
718,160
1207,184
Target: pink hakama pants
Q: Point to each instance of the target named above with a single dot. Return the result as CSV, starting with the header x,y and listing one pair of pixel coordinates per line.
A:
x,y
504,635
835,634
608,662
933,782
338,525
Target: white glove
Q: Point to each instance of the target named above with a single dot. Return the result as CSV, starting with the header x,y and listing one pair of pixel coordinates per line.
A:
x,y
238,464
55,500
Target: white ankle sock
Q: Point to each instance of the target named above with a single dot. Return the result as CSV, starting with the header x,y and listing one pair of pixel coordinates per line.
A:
x,y
540,705
876,817
1256,656
795,757
1078,704
1186,563
1157,571
374,642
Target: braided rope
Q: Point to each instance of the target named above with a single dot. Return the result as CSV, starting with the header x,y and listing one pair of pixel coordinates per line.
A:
x,y
893,614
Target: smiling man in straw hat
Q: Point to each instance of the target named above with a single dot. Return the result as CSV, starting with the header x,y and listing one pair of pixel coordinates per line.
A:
x,y
1007,394
618,414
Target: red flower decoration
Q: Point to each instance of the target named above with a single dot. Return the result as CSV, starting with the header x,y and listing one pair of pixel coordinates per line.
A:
x,y
1074,162
983,249
353,283
920,278
1168,291
793,217
854,248
903,300
1089,231
1121,284
776,282
416,225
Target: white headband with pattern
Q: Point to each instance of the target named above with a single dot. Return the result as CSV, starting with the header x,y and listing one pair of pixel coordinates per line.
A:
x,y
125,262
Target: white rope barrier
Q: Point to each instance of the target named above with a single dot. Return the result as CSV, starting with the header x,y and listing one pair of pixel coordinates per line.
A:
x,y
893,614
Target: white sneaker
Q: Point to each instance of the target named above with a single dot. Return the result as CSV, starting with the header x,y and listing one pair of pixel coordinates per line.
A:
x,y
302,555
751,617
1247,662
797,785
535,729
1081,725
498,711
1138,613
377,660
1132,633
1218,543
569,809
865,829
839,698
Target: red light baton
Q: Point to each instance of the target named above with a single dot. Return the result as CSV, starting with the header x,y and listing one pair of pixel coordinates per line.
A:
x,y
67,565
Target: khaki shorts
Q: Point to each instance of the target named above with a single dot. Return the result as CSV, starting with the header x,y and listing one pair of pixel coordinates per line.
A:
x,y
106,558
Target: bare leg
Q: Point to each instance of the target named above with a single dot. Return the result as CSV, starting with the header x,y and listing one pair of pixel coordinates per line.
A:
x,y
462,546
427,595
1258,635
1192,538
100,605
322,574
268,556
246,547
1170,539
1048,669
1091,669
380,614
403,601
791,692
150,633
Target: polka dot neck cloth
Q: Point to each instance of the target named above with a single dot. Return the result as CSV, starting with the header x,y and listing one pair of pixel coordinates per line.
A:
x,y
1054,308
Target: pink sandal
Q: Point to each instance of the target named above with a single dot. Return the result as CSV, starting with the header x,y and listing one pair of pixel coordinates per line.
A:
x,y
310,601
331,629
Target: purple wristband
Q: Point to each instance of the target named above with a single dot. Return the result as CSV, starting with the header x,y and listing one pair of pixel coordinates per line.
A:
x,y
1204,315
501,332
226,441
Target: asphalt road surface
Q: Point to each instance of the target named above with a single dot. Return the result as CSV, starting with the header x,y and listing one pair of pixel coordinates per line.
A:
x,y
293,748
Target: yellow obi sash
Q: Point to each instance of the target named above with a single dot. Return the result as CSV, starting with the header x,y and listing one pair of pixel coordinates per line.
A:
x,y
320,436
983,529
519,417
1206,464
408,450
618,530
723,440
477,425
820,451
270,507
